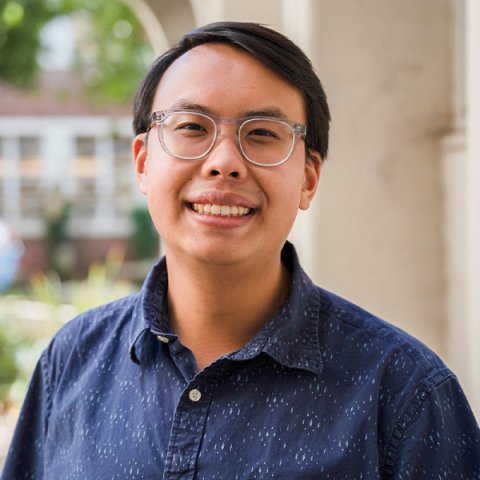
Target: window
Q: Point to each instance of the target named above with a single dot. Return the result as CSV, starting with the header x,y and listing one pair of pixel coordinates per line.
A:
x,y
124,178
84,172
30,170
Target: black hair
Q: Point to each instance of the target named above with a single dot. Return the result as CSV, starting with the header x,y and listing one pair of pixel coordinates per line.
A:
x,y
271,48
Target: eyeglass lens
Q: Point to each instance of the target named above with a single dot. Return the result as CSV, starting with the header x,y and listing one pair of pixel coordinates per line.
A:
x,y
190,135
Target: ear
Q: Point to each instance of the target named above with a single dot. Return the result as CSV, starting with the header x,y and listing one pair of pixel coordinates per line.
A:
x,y
313,167
139,151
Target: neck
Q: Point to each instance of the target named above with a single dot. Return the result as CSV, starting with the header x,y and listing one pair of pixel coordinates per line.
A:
x,y
215,310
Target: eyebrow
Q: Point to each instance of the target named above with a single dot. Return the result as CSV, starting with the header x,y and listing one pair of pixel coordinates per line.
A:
x,y
269,111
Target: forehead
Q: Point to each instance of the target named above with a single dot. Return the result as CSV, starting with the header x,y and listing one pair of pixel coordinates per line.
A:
x,y
227,81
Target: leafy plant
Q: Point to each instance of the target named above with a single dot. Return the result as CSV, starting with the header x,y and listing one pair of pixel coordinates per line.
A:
x,y
114,53
9,370
28,321
102,284
144,240
21,341
20,24
111,57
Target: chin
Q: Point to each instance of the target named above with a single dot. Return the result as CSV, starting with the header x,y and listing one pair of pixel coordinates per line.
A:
x,y
220,258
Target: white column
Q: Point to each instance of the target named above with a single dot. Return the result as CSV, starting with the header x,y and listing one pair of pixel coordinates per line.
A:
x,y
454,170
461,174
455,225
472,19
57,156
105,181
11,185
297,25
151,24
206,11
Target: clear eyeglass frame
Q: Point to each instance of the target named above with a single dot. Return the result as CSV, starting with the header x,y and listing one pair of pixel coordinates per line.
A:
x,y
297,129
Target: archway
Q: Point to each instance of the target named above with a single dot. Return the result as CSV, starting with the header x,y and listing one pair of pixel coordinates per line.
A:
x,y
164,21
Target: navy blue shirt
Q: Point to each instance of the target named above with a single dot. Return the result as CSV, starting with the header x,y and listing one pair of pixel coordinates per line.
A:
x,y
324,391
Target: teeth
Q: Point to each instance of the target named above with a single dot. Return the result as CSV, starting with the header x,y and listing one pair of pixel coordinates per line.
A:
x,y
221,210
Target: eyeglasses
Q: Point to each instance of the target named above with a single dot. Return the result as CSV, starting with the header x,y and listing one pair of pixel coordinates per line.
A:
x,y
190,135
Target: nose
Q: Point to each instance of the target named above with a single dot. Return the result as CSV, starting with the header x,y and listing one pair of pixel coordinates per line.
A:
x,y
225,159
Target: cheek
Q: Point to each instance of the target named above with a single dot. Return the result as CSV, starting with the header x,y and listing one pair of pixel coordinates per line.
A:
x,y
166,182
290,187
158,194
286,196
158,212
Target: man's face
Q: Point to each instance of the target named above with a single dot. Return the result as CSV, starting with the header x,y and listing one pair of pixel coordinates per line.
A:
x,y
227,83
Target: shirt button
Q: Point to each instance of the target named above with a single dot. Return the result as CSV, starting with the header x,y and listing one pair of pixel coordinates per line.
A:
x,y
163,339
194,395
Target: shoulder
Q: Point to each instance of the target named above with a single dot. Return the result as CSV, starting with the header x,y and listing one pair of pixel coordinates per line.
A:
x,y
413,392
102,318
348,328
399,371
93,330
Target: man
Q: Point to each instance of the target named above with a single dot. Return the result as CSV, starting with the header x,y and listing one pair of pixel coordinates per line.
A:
x,y
230,363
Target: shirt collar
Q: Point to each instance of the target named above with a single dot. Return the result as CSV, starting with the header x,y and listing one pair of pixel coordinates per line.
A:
x,y
150,312
290,337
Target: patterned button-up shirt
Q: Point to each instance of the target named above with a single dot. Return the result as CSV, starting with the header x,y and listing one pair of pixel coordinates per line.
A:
x,y
325,390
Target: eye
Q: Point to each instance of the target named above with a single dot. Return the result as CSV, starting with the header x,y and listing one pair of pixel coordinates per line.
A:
x,y
191,126
188,125
262,132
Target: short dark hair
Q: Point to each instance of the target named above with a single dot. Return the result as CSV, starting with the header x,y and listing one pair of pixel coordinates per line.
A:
x,y
271,48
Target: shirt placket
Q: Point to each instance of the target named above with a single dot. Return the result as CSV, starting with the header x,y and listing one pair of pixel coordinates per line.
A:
x,y
187,432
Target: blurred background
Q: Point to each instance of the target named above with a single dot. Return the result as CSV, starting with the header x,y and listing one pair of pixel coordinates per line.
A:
x,y
395,226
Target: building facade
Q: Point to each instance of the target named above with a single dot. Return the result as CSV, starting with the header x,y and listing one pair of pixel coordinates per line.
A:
x,y
60,156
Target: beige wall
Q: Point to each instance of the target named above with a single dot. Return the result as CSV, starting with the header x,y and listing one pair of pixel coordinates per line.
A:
x,y
385,66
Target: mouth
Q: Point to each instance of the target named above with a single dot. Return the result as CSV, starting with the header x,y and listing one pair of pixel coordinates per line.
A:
x,y
220,210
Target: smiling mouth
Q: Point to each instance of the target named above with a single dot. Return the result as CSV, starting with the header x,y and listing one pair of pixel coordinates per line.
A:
x,y
220,210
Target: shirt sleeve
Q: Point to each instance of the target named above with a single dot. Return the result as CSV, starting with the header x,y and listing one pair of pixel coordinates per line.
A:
x,y
26,453
438,438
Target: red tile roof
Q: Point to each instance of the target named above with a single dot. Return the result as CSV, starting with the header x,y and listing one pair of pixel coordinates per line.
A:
x,y
58,93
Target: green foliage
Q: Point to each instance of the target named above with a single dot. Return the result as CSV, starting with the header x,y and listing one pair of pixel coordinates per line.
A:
x,y
56,215
9,370
102,285
28,321
114,53
144,240
20,346
111,57
20,25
